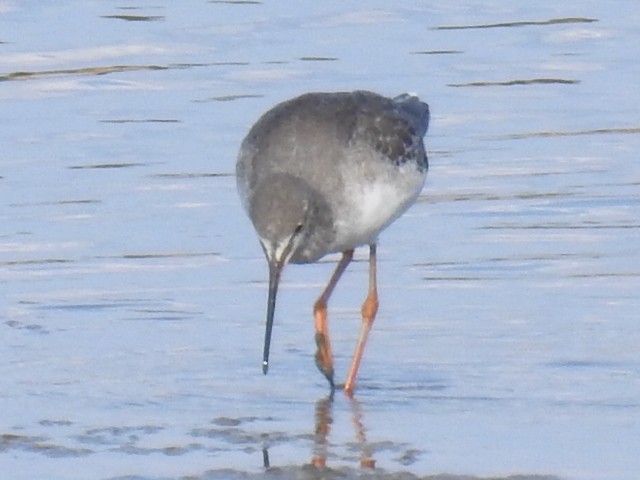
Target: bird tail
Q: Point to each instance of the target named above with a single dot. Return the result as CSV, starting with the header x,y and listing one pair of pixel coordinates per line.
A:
x,y
415,109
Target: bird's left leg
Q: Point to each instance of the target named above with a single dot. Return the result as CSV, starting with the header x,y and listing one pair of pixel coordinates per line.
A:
x,y
324,356
369,310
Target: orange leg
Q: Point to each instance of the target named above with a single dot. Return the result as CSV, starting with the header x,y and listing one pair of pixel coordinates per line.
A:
x,y
369,310
324,357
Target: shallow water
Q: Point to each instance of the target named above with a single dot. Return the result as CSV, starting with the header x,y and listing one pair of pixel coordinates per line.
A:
x,y
134,289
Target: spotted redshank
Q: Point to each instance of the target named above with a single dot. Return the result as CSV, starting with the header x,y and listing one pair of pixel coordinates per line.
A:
x,y
325,173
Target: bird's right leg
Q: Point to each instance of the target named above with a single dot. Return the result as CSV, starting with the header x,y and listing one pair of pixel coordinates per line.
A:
x,y
324,357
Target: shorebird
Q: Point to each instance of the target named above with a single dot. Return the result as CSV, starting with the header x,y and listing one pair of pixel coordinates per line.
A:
x,y
325,173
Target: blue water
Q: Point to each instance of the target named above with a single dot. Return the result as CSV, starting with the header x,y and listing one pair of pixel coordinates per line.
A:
x,y
133,287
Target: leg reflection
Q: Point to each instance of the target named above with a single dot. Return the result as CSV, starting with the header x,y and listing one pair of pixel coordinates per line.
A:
x,y
323,422
366,455
324,419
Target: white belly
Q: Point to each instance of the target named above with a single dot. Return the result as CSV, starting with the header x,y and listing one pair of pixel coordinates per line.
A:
x,y
372,207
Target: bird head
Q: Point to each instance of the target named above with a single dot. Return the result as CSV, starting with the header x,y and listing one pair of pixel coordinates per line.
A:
x,y
283,213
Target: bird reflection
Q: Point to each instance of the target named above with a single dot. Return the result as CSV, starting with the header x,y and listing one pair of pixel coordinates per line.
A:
x,y
323,422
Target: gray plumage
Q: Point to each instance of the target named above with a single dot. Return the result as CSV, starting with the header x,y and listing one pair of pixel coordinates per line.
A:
x,y
314,156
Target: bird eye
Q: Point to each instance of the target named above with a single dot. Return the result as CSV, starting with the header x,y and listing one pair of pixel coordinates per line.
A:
x,y
298,229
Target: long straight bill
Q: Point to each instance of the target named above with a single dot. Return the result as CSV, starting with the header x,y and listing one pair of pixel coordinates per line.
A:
x,y
275,268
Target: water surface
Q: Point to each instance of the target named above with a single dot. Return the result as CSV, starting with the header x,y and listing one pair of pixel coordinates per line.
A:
x,y
134,289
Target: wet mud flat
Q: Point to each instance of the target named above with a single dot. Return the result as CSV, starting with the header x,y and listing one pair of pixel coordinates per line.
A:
x,y
11,443
234,448
309,472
